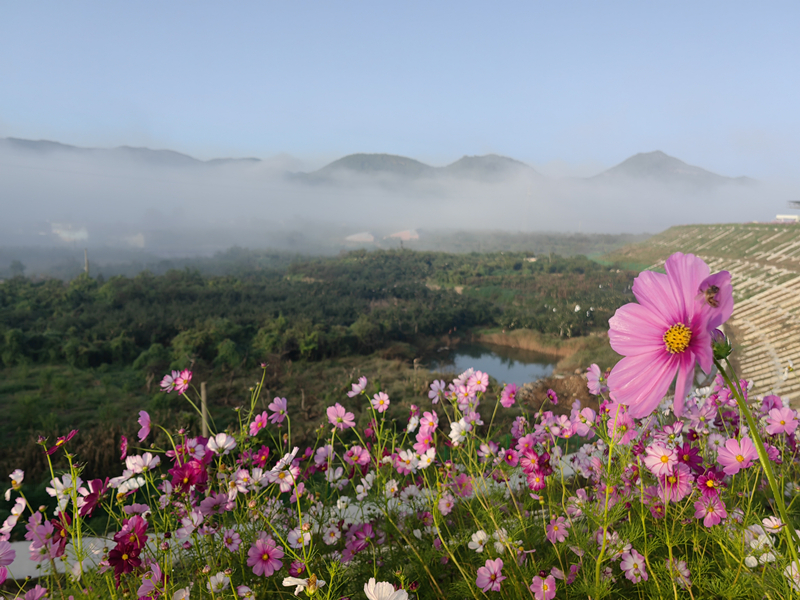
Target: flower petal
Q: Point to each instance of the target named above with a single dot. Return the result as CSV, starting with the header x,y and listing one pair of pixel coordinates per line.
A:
x,y
686,272
641,381
635,329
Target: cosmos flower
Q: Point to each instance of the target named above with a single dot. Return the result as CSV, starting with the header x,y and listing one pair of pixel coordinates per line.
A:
x,y
633,565
383,590
279,407
736,455
544,589
339,417
508,396
711,509
358,387
380,402
265,557
490,576
666,333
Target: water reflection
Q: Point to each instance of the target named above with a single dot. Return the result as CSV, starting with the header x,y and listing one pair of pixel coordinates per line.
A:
x,y
505,364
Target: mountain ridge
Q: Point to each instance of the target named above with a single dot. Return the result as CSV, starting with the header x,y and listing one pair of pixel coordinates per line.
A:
x,y
652,166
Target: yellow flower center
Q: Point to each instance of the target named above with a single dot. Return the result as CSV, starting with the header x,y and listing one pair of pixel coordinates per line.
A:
x,y
710,483
740,458
664,458
124,557
677,338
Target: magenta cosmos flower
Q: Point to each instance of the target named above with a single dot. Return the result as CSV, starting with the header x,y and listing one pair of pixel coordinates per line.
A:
x,y
667,332
265,557
490,576
339,417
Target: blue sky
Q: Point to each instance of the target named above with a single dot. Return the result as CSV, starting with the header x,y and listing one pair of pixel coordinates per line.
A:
x,y
716,84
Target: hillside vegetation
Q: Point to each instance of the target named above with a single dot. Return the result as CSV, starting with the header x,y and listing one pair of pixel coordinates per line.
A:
x,y
89,353
764,261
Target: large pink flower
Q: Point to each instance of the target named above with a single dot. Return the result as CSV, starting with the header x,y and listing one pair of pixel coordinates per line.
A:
x,y
666,333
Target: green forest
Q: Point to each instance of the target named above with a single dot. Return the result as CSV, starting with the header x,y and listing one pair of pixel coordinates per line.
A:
x,y
89,353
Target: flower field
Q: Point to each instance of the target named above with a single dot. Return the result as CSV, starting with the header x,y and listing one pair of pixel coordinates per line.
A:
x,y
658,494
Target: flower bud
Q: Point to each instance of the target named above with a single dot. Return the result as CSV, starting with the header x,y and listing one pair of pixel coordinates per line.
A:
x,y
721,345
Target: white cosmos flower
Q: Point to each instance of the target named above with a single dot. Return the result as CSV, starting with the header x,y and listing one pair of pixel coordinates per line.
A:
x,y
479,539
302,584
221,443
426,458
383,591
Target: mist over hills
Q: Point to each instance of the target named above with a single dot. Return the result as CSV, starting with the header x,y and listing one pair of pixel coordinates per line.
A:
x,y
172,204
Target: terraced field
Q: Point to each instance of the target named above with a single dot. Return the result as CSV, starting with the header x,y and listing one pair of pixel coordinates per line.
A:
x,y
764,261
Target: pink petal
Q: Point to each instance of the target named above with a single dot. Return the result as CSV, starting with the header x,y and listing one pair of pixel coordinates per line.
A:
x,y
635,329
641,381
686,272
684,380
653,291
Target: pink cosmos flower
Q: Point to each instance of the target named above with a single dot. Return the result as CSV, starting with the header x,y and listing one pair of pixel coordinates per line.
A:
x,y
258,424
584,421
37,593
144,421
380,402
781,420
429,421
478,382
231,540
169,381
182,381
557,530
446,503
358,387
278,406
543,589
437,390
511,458
339,417
660,460
490,576
711,509
675,486
508,396
633,565
665,334
595,380
736,455
621,426
265,557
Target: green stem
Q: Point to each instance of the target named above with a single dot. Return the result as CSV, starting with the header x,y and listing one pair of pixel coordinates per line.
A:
x,y
762,455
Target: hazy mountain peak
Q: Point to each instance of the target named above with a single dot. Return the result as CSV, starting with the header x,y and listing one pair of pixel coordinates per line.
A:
x,y
664,168
373,164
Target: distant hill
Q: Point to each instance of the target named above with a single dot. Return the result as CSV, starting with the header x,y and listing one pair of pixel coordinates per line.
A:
x,y
490,167
162,158
662,168
372,164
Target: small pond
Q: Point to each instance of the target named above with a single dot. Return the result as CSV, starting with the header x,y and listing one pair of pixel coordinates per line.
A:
x,y
505,364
